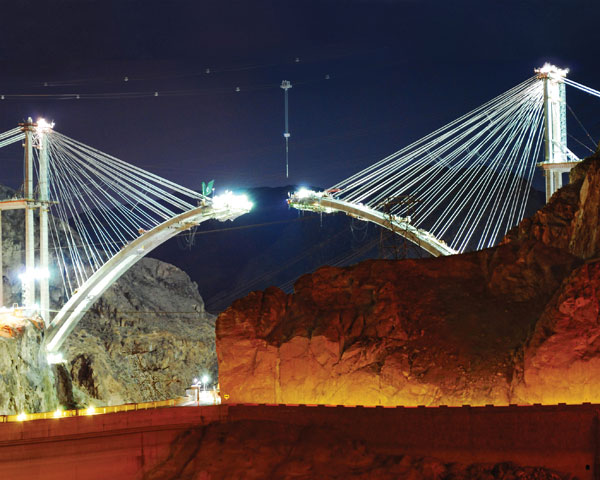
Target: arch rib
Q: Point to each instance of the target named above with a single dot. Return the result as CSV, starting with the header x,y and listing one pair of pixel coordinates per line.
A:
x,y
70,314
323,202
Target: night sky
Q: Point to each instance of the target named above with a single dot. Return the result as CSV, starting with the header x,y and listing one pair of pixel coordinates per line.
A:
x,y
396,71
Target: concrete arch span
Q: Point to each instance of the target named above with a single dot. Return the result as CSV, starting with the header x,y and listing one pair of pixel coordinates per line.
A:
x,y
71,313
322,202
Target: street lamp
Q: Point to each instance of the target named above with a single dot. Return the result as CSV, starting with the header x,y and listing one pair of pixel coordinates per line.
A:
x,y
205,379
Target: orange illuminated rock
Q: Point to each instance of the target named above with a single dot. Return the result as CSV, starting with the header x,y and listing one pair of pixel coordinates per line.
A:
x,y
451,330
571,219
412,332
561,362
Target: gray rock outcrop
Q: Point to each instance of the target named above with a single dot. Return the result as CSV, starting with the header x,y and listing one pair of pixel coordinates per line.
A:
x,y
27,382
145,339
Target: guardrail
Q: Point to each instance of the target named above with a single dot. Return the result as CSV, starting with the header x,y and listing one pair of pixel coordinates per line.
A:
x,y
23,417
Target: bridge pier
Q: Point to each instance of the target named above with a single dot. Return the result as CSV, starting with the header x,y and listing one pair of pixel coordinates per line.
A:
x,y
28,277
43,200
29,203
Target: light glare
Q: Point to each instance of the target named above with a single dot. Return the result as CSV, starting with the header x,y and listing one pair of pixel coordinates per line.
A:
x,y
304,193
55,358
229,200
43,126
552,70
35,274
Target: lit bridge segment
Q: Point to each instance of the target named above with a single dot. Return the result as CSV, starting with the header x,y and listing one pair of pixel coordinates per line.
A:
x,y
323,202
66,319
463,186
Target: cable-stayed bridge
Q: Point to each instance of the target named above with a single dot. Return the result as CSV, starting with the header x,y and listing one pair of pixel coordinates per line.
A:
x,y
465,185
98,215
459,188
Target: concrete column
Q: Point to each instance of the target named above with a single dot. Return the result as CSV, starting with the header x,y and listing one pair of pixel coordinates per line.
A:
x,y
29,281
44,197
1,268
555,130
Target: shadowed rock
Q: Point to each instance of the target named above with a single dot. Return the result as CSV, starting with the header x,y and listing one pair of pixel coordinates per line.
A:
x,y
264,449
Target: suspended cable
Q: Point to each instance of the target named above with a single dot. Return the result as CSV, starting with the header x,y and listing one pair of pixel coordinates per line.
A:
x,y
594,143
470,177
100,203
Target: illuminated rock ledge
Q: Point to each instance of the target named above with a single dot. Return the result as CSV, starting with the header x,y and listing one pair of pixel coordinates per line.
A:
x,y
454,330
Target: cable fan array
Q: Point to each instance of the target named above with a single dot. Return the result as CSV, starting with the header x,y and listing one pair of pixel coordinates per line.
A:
x,y
581,87
11,136
100,203
469,181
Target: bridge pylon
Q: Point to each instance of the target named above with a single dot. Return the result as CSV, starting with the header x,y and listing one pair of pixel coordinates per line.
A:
x,y
34,140
558,158
28,279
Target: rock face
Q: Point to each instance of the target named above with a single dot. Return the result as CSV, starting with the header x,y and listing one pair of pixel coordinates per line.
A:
x,y
27,383
570,221
495,326
585,237
258,450
561,361
145,339
412,332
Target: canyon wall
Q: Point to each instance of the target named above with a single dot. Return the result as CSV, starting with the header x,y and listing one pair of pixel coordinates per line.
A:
x,y
517,322
145,339
27,382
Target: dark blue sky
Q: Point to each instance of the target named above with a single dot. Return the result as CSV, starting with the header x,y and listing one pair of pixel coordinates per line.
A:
x,y
397,70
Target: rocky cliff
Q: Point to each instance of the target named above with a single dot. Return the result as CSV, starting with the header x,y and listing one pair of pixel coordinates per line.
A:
x,y
561,359
570,220
517,322
27,382
145,339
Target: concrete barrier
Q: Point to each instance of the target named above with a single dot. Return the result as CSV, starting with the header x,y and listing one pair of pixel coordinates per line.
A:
x,y
120,445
